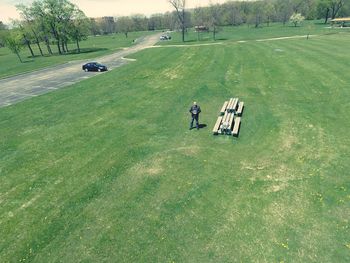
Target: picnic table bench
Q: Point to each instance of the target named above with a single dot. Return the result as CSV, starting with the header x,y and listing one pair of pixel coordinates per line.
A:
x,y
217,125
240,108
223,109
229,121
236,126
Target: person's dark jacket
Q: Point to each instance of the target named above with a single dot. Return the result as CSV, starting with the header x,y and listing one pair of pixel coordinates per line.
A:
x,y
195,110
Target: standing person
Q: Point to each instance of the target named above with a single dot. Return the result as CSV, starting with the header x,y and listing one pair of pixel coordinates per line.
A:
x,y
195,110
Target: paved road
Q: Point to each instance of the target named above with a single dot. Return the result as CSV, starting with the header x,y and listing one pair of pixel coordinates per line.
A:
x,y
21,87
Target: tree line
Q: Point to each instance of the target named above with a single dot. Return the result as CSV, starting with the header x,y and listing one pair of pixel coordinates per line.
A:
x,y
59,22
231,13
45,22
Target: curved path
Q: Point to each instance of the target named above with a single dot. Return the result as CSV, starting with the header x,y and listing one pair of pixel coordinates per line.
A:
x,y
28,85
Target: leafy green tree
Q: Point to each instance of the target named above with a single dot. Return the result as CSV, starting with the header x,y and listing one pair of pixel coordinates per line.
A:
x,y
56,18
14,42
79,27
23,30
3,31
30,23
41,21
2,26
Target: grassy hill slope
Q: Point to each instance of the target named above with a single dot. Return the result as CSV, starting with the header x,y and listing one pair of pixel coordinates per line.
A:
x,y
107,170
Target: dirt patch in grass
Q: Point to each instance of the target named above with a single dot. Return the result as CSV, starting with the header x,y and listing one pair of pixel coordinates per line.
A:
x,y
188,151
277,187
149,167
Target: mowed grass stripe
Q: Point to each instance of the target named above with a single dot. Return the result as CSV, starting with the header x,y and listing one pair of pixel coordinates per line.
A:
x,y
138,186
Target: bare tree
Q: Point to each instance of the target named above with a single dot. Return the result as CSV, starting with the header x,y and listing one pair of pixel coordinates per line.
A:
x,y
233,14
180,6
329,8
336,5
215,17
270,12
284,10
124,25
257,13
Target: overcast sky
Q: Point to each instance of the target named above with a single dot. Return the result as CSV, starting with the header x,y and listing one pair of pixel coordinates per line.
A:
x,y
98,8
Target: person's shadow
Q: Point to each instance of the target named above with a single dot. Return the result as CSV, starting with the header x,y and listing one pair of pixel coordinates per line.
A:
x,y
200,126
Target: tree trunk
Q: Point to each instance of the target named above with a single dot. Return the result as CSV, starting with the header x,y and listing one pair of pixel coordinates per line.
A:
x,y
78,46
335,8
183,24
327,15
39,47
30,48
28,45
256,22
38,43
56,35
63,49
47,42
66,44
19,57
183,33
285,19
59,48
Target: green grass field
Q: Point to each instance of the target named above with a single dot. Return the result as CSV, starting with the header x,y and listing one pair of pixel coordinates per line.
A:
x,y
245,32
91,48
107,171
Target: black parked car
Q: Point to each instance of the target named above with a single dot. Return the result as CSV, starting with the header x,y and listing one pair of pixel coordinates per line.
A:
x,y
94,66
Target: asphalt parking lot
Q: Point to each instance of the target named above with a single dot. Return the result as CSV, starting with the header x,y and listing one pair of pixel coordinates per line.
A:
x,y
28,85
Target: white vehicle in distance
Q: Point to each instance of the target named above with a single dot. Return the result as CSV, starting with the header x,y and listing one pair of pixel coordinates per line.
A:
x,y
164,37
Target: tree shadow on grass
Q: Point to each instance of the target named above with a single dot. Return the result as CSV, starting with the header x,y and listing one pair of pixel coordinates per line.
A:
x,y
28,61
86,50
190,41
